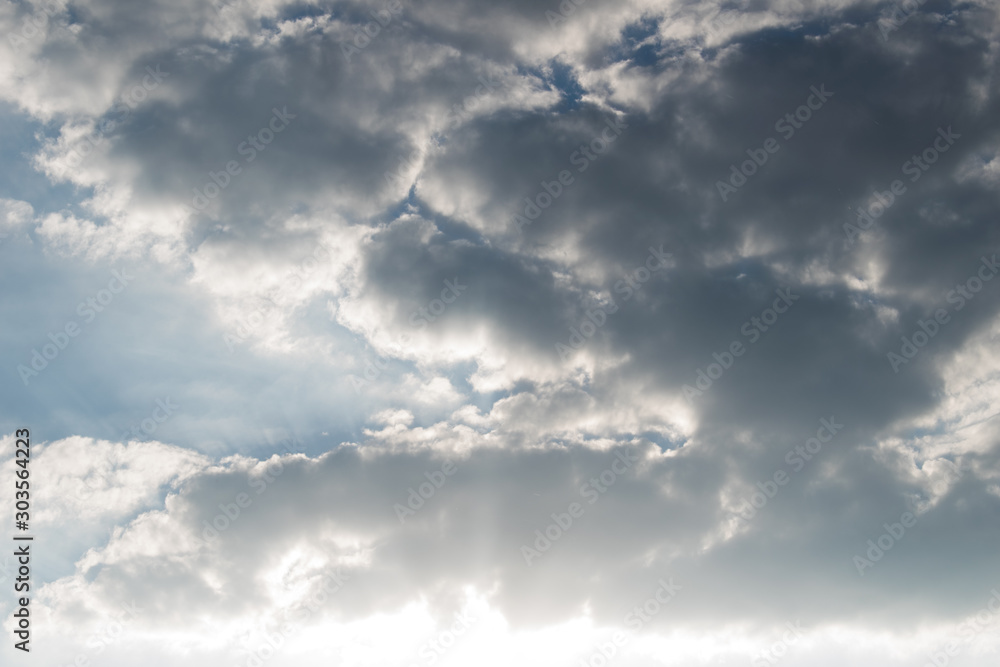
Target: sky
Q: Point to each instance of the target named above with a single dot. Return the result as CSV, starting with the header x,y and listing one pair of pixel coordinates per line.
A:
x,y
407,333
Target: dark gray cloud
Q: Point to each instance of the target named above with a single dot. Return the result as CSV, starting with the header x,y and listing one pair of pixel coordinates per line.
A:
x,y
373,287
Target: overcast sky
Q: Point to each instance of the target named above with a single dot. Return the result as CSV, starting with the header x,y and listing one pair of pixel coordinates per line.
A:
x,y
435,332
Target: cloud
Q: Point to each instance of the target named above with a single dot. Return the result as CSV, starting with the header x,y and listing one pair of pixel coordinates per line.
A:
x,y
353,268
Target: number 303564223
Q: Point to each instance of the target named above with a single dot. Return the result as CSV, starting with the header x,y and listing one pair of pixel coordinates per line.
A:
x,y
22,454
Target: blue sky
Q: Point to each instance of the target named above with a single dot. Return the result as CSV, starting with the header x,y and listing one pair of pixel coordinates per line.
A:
x,y
343,394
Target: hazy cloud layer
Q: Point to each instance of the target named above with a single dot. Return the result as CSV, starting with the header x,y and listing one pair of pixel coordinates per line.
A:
x,y
321,254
